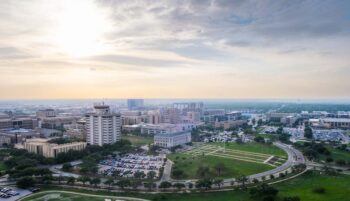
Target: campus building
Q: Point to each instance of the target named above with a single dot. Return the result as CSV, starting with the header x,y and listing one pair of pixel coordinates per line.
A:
x,y
102,126
43,147
335,123
18,122
172,139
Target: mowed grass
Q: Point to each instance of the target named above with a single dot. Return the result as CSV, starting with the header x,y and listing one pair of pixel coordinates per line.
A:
x,y
255,147
190,164
138,140
238,159
337,154
337,189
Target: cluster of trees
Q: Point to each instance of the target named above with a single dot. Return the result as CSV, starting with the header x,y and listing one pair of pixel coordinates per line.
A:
x,y
313,150
122,146
265,192
140,178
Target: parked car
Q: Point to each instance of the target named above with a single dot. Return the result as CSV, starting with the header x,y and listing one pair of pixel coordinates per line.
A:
x,y
34,189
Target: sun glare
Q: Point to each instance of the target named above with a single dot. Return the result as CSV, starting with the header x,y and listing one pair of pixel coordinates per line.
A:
x,y
80,28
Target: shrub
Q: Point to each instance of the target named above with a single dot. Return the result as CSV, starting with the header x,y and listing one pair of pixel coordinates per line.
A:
x,y
319,190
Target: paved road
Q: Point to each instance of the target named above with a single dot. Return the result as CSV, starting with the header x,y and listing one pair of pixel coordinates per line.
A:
x,y
167,171
56,169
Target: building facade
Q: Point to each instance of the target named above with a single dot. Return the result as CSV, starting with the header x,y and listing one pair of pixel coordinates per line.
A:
x,y
102,126
172,139
42,147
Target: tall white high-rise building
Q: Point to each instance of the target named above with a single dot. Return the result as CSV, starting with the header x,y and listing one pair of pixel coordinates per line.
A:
x,y
102,126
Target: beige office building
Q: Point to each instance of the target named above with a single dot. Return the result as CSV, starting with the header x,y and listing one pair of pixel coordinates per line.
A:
x,y
43,147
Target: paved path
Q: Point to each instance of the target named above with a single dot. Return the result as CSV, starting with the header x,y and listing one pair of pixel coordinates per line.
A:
x,y
167,171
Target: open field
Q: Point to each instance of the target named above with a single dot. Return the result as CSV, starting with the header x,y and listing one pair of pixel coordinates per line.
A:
x,y
138,140
237,159
337,189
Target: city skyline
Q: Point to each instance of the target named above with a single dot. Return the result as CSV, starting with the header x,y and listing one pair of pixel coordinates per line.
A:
x,y
174,49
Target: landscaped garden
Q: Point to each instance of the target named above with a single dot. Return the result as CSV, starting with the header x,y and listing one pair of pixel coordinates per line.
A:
x,y
225,161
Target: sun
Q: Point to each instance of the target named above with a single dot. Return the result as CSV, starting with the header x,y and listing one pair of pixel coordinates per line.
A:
x,y
81,27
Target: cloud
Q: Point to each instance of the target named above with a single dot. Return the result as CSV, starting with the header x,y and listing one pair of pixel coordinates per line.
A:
x,y
233,42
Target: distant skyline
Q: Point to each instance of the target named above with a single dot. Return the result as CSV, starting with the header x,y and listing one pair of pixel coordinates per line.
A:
x,y
174,49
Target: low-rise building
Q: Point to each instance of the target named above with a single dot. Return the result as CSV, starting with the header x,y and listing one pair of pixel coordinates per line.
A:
x,y
172,139
43,147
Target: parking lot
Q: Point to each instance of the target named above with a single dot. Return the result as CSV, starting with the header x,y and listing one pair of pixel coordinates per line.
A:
x,y
12,193
128,165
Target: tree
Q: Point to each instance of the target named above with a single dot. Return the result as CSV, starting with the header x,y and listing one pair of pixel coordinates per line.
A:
x,y
139,175
319,190
25,182
259,139
71,181
60,178
260,122
203,172
84,179
292,198
263,191
179,186
340,162
243,179
151,175
116,173
218,182
109,182
165,184
135,183
149,185
67,167
219,168
123,183
308,132
177,173
255,181
204,183
95,181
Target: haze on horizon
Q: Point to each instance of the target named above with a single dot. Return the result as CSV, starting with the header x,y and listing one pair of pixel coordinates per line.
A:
x,y
174,49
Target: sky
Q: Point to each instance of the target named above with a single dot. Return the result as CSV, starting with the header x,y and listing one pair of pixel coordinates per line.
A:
x,y
174,49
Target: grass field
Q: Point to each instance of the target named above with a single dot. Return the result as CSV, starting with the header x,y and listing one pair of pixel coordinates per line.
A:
x,y
238,159
337,154
138,140
337,189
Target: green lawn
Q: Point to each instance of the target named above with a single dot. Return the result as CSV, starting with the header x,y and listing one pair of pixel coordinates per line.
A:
x,y
189,164
337,189
255,147
337,154
138,140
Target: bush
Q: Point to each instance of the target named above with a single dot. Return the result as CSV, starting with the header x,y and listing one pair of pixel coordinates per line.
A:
x,y
294,198
25,182
319,190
